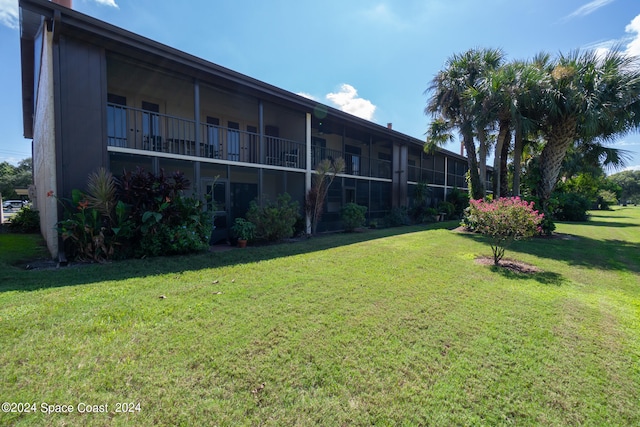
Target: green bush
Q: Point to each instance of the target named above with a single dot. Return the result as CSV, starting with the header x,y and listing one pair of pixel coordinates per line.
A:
x,y
571,207
353,216
460,201
431,215
274,221
139,215
447,208
418,210
26,220
397,217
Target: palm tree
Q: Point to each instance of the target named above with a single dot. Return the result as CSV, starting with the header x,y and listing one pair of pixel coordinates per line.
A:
x,y
588,98
510,103
454,103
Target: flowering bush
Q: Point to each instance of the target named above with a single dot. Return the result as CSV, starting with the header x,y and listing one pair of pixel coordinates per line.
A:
x,y
504,220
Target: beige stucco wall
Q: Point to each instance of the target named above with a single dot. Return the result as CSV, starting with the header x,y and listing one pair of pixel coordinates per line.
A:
x,y
44,153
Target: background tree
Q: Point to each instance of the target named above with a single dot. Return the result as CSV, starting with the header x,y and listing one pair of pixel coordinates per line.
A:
x,y
629,183
13,177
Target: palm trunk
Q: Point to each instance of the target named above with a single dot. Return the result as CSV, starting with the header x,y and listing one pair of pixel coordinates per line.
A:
x,y
482,153
497,176
504,184
518,146
477,184
558,142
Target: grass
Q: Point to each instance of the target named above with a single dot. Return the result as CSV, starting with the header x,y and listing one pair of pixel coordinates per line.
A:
x,y
386,327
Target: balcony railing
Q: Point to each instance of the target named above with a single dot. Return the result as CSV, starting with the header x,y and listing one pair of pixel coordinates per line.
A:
x,y
354,164
145,130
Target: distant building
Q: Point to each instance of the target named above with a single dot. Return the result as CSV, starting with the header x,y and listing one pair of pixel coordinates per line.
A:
x,y
96,95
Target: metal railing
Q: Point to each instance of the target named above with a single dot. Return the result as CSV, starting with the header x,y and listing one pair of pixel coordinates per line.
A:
x,y
354,164
145,130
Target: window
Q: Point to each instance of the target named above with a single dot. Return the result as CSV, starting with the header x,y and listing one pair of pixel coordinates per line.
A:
x,y
116,120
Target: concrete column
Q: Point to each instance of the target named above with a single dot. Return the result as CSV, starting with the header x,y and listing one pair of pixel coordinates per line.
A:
x,y
308,171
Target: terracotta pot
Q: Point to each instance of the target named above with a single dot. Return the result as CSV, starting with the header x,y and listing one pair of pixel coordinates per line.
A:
x,y
242,243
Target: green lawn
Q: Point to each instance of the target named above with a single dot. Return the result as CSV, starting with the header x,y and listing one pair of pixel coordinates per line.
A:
x,y
385,327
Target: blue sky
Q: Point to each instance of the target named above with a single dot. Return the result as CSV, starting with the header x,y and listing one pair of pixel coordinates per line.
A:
x,y
370,58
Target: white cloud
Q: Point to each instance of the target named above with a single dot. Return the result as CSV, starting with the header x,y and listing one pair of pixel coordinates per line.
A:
x,y
9,13
589,8
347,100
633,48
111,3
381,14
632,168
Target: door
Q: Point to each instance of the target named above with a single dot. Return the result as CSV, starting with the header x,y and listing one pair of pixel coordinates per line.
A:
x,y
216,196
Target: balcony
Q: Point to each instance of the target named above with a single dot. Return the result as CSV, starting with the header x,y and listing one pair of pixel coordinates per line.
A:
x,y
149,131
354,164
144,130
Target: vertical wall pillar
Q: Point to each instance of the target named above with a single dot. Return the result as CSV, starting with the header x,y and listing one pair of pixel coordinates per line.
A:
x,y
261,148
196,111
446,176
307,174
399,179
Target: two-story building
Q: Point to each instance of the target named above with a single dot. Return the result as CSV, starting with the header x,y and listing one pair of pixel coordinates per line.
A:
x,y
97,95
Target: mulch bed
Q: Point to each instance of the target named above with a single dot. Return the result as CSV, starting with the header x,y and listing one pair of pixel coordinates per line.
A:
x,y
510,264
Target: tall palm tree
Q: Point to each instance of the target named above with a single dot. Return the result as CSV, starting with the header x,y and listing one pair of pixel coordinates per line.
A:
x,y
511,104
454,103
588,98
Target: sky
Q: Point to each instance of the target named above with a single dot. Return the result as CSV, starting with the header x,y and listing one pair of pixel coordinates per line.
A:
x,y
370,58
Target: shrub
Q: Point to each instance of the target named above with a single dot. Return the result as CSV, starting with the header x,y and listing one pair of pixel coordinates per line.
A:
x,y
397,217
243,229
431,215
418,210
140,215
274,221
571,207
353,216
504,220
446,208
26,220
460,201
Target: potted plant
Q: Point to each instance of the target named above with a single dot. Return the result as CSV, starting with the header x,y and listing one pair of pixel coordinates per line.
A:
x,y
244,231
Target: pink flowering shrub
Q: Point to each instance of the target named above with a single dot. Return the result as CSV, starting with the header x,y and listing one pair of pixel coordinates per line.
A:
x,y
503,220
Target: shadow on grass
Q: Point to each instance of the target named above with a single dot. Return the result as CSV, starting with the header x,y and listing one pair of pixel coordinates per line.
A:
x,y
543,277
19,279
608,223
609,254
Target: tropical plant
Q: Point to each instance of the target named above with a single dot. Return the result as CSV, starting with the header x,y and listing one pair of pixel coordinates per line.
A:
x,y
504,221
456,101
243,229
326,171
588,98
